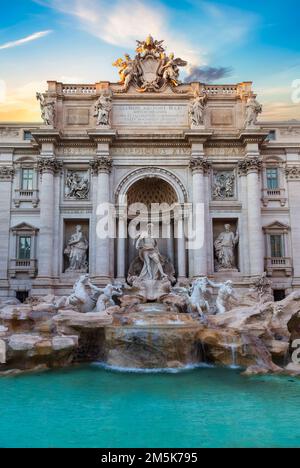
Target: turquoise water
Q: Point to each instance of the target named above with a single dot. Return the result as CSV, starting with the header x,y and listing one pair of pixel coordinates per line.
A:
x,y
93,407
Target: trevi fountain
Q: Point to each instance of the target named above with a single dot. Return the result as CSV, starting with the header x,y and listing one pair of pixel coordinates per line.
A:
x,y
147,340
151,321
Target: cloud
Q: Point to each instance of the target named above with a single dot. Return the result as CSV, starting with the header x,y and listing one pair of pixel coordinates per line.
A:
x,y
120,23
207,74
21,104
25,40
281,110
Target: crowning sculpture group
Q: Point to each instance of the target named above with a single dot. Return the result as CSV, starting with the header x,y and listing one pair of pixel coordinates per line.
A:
x,y
152,70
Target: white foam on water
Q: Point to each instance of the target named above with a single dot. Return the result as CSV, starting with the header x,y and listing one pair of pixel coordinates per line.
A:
x,y
162,370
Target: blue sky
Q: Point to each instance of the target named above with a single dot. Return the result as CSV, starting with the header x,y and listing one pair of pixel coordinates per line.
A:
x,y
77,41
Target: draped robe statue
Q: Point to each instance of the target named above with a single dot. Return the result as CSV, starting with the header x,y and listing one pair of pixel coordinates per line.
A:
x,y
224,247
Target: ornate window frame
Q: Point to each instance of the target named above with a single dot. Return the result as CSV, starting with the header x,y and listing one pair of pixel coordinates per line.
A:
x,y
17,265
278,264
277,194
22,195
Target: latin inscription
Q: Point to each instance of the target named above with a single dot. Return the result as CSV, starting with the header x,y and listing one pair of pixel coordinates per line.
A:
x,y
150,115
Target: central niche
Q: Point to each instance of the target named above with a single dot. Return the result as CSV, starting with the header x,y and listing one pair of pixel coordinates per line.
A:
x,y
151,190
148,191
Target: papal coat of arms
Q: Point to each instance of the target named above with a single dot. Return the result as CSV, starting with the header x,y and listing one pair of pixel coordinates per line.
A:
x,y
151,70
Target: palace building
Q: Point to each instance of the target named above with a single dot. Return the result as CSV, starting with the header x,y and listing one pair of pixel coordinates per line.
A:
x,y
148,139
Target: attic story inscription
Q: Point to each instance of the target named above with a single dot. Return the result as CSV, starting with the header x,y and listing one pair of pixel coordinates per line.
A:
x,y
151,115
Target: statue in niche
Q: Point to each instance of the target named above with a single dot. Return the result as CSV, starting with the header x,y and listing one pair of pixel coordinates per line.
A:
x,y
77,252
47,110
103,109
197,109
223,185
224,247
77,187
253,108
150,256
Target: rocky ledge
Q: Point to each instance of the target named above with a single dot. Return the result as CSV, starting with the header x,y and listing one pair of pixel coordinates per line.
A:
x,y
258,336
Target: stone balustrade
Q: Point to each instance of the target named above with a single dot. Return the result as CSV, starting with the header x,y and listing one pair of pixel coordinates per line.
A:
x,y
23,266
79,89
278,264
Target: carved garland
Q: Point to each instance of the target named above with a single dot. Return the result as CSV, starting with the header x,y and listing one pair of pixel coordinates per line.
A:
x,y
49,165
6,173
101,164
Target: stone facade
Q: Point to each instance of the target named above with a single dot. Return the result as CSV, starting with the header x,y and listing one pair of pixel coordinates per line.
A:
x,y
109,139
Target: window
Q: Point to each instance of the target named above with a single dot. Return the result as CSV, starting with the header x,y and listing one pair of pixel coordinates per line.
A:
x,y
276,245
272,178
27,135
24,248
27,179
272,135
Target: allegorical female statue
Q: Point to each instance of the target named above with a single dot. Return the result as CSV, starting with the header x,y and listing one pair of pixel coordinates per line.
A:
x,y
224,247
77,252
196,110
150,256
47,110
253,108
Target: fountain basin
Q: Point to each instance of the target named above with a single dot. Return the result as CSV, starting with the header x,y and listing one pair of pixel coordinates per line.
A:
x,y
149,345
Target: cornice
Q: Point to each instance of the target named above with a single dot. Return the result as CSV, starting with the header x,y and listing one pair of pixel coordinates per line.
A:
x,y
46,136
102,135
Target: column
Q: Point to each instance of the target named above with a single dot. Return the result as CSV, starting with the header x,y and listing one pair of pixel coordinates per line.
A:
x,y
252,166
48,167
170,242
121,244
199,166
102,167
243,225
181,245
293,179
6,177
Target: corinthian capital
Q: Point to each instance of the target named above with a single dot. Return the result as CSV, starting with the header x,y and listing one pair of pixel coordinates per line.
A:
x,y
6,173
49,165
199,165
249,165
102,164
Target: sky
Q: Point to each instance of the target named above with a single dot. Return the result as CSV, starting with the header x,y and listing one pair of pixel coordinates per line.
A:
x,y
76,41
